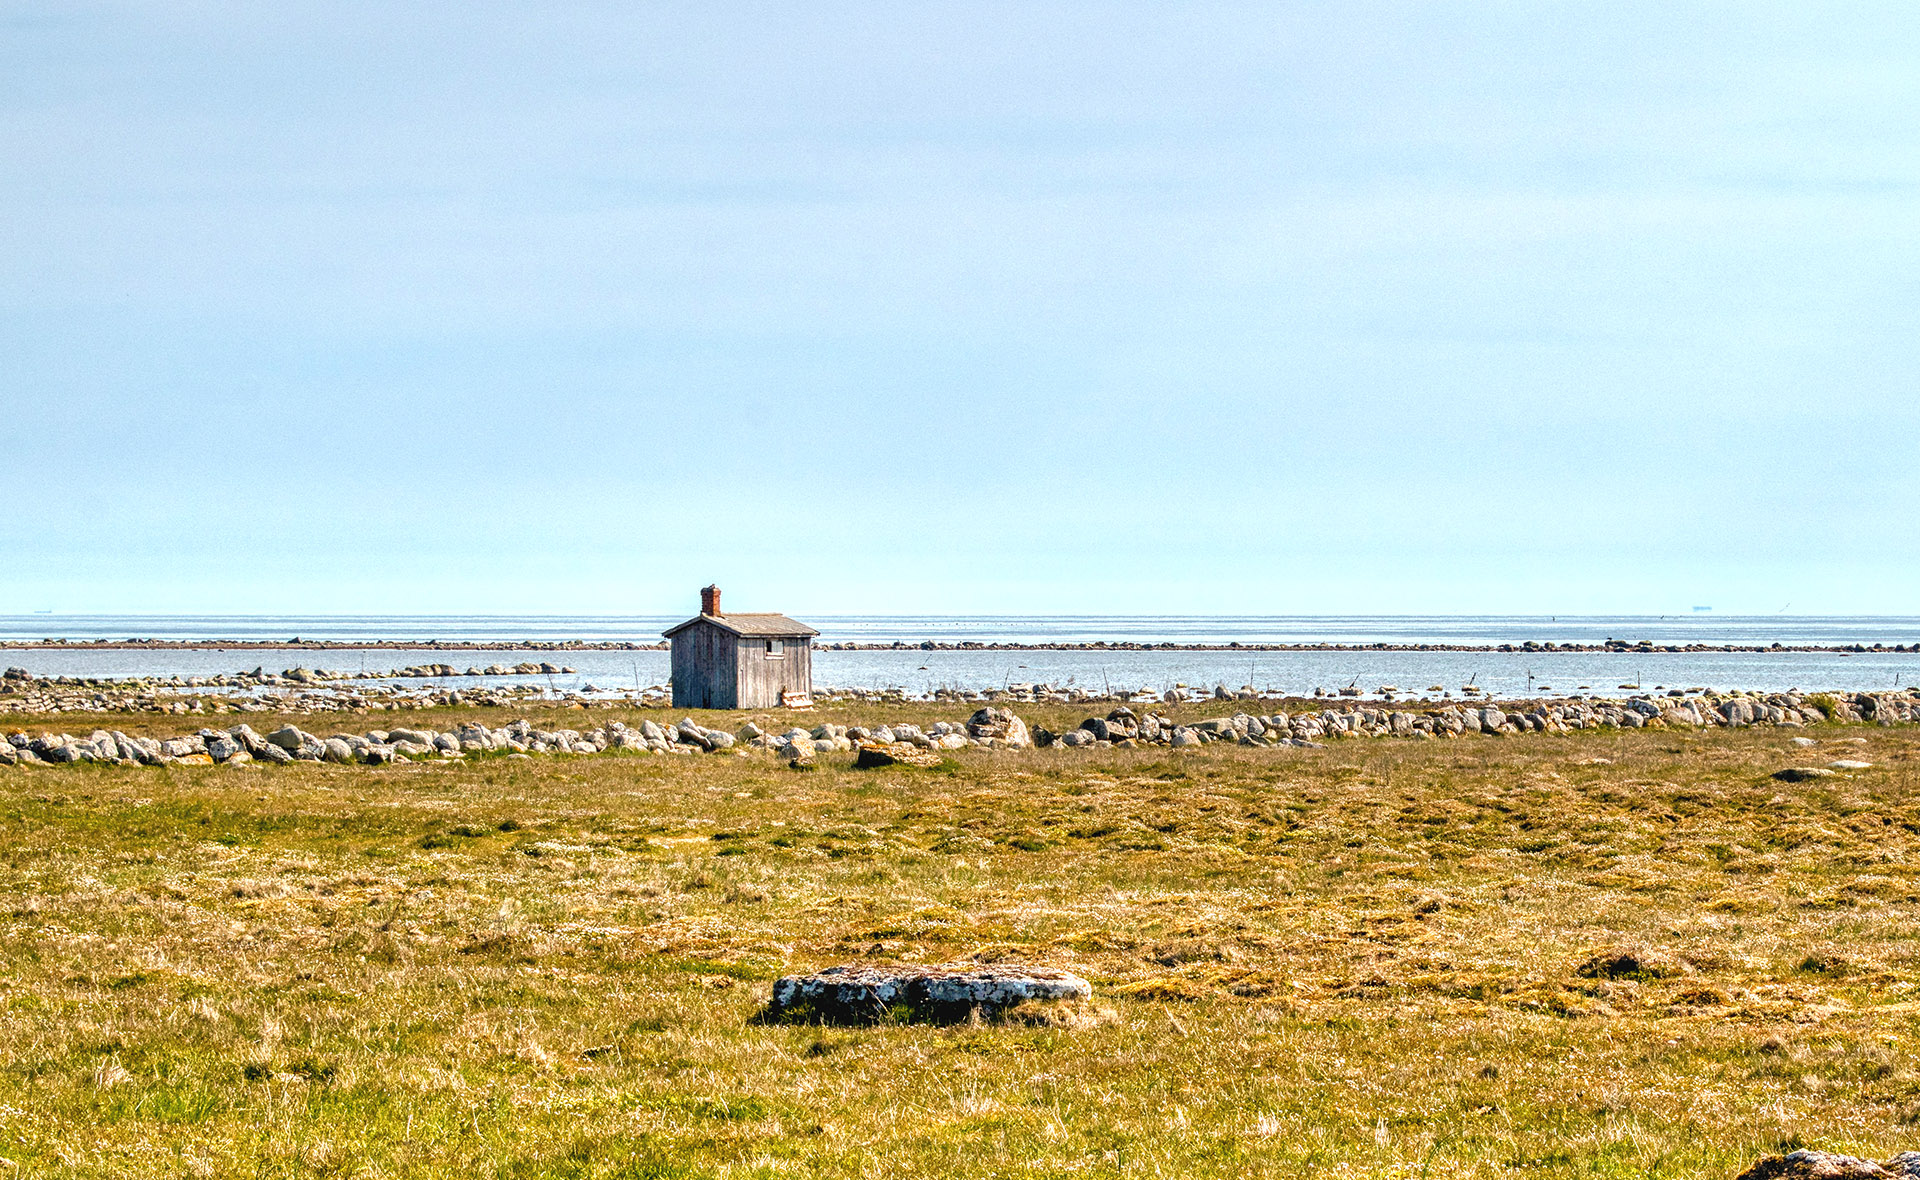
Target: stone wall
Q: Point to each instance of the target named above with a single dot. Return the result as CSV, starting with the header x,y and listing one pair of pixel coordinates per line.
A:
x,y
987,728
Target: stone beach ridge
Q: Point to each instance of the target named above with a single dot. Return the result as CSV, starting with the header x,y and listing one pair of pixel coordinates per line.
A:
x,y
991,727
307,691
1641,647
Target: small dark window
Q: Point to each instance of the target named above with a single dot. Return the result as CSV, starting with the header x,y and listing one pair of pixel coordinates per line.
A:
x,y
776,649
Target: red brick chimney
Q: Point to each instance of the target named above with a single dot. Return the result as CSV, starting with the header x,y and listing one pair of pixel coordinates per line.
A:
x,y
710,600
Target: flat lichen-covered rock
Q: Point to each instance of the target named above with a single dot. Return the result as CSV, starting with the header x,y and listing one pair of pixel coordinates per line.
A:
x,y
1825,1165
1630,962
866,995
873,757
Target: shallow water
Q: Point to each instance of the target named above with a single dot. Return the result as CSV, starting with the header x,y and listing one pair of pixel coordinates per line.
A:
x,y
1298,672
1354,629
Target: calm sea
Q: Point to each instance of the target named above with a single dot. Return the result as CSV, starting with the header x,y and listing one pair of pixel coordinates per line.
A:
x,y
1502,673
1453,629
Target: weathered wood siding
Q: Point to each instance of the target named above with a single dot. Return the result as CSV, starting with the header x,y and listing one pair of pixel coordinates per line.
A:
x,y
762,680
704,672
715,669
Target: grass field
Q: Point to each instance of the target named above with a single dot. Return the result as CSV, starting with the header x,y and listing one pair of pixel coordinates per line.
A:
x,y
1383,958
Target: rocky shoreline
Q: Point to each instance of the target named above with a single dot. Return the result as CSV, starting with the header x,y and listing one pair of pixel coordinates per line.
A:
x,y
15,678
330,645
304,690
991,727
296,690
1625,646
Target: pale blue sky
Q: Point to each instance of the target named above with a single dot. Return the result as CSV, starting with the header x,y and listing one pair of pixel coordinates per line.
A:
x,y
1274,308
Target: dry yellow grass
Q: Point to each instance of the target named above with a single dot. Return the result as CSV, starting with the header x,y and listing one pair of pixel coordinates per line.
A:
x,y
1601,954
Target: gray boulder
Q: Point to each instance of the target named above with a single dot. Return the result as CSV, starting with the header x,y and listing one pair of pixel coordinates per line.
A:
x,y
869,995
1808,1164
999,725
249,741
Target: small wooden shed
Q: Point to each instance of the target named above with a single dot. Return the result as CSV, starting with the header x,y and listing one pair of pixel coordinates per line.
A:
x,y
757,661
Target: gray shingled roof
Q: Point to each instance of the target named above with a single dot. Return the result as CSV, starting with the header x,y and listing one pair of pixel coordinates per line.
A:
x,y
763,626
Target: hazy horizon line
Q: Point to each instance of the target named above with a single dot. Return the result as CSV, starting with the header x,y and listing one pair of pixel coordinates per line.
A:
x,y
1696,613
